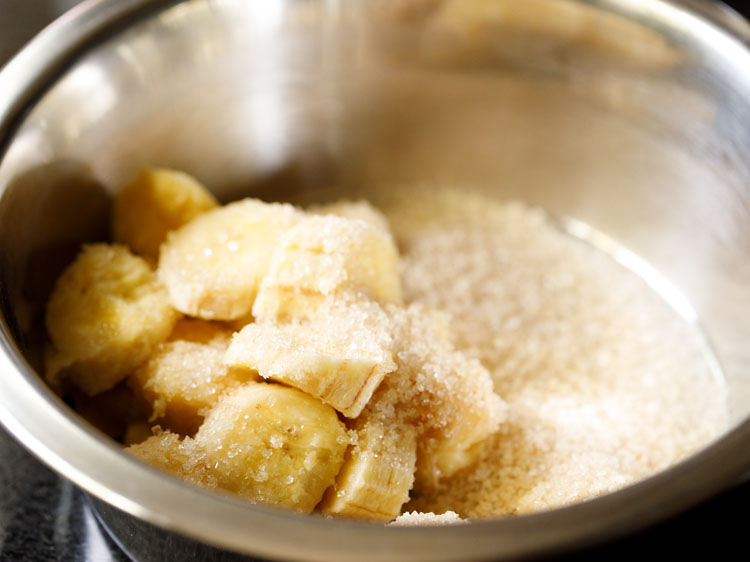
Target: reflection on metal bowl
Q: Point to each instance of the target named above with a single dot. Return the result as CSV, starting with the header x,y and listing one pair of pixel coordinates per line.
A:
x,y
628,115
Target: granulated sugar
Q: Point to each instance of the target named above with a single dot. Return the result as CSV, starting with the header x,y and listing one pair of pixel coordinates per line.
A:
x,y
604,383
414,518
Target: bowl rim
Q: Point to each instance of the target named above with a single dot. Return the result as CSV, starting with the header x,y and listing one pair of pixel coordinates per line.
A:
x,y
37,418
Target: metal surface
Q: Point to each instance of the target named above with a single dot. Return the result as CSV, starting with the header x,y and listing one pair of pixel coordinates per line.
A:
x,y
645,138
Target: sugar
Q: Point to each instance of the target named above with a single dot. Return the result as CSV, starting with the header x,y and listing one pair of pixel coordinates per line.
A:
x,y
604,384
413,518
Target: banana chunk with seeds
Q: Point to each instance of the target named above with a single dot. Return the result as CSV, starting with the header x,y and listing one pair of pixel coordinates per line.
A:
x,y
213,265
274,445
105,316
156,201
324,256
340,355
377,474
186,375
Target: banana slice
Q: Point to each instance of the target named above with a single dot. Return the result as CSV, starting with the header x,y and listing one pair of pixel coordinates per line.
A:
x,y
323,256
155,202
183,458
196,330
472,415
340,355
469,30
213,265
106,315
186,375
377,474
274,445
361,210
447,396
111,411
137,432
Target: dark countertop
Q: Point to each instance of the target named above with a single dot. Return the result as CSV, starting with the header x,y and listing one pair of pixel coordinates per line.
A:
x,y
44,517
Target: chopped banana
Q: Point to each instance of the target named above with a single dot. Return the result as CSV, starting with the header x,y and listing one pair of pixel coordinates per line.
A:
x,y
476,414
377,475
447,396
340,355
155,202
213,265
315,303
182,457
323,256
361,210
106,315
136,432
112,411
186,375
198,331
274,445
469,31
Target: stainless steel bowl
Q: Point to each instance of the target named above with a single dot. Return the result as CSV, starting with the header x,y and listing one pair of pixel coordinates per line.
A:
x,y
630,115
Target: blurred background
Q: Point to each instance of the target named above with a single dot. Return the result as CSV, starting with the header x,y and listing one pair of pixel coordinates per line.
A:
x,y
43,517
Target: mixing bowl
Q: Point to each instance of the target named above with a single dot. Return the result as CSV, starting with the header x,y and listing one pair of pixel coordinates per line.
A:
x,y
633,116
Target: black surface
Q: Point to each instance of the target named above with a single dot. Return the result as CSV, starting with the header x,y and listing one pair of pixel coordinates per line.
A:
x,y
45,518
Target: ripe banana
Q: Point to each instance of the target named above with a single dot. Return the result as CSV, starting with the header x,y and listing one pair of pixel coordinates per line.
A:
x,y
186,375
274,445
213,265
447,396
475,413
155,202
184,458
377,475
322,257
107,313
340,355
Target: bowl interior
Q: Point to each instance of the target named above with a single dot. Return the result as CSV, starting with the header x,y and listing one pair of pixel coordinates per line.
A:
x,y
633,119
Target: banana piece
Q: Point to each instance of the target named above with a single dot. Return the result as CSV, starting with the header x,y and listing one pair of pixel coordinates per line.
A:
x,y
322,257
183,458
136,432
106,315
196,330
377,474
447,396
186,375
555,21
474,414
111,411
156,201
471,28
274,445
213,265
361,210
340,355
